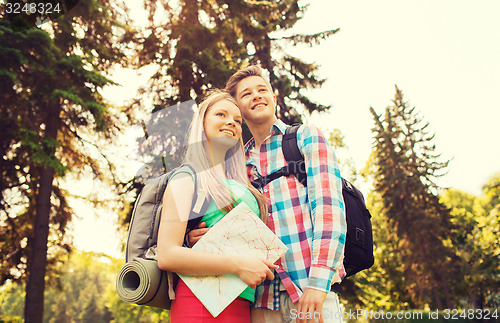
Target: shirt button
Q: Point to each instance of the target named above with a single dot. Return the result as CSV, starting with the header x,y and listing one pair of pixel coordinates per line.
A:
x,y
265,190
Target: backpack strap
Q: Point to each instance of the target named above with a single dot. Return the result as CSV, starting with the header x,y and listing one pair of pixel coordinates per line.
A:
x,y
199,206
200,202
293,156
264,180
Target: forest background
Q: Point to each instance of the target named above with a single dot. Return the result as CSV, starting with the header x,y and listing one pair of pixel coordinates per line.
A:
x,y
64,124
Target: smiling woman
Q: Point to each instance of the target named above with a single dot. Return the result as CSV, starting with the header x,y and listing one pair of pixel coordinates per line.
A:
x,y
215,151
222,126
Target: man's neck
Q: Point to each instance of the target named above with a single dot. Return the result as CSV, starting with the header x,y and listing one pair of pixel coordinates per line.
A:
x,y
261,131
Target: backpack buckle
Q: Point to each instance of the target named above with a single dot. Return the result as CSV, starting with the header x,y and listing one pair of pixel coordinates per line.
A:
x,y
360,237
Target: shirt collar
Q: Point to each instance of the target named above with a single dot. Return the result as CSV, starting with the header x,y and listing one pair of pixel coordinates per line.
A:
x,y
278,127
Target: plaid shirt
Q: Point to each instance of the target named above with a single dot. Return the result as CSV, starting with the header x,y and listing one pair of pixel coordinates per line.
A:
x,y
309,220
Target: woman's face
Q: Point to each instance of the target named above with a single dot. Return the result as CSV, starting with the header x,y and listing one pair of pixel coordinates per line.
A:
x,y
223,123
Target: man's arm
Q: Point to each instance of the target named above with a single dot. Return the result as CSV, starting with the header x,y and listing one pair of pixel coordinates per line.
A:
x,y
194,235
324,187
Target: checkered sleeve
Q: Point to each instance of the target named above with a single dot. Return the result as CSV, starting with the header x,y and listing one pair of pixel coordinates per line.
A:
x,y
324,188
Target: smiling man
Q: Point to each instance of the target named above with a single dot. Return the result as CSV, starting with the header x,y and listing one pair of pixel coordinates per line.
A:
x,y
309,220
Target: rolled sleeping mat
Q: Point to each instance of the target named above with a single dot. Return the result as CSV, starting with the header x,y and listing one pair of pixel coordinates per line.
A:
x,y
140,281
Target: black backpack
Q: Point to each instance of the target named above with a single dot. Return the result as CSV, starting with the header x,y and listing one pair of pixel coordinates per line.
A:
x,y
358,253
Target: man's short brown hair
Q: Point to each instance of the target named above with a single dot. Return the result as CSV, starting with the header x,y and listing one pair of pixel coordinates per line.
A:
x,y
252,70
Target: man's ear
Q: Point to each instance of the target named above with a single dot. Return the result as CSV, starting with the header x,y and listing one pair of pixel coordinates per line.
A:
x,y
275,104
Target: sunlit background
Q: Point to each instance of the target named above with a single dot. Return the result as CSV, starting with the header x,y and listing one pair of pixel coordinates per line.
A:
x,y
443,55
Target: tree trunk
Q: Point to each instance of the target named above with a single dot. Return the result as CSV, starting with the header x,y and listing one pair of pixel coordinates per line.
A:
x,y
35,287
446,292
437,299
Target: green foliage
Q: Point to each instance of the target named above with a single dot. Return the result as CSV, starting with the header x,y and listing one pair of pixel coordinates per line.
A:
x,y
85,292
41,151
476,240
492,195
11,303
52,109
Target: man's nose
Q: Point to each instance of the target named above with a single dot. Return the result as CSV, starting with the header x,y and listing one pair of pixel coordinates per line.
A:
x,y
256,95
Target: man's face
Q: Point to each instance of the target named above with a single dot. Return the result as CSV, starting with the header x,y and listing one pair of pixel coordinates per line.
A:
x,y
255,100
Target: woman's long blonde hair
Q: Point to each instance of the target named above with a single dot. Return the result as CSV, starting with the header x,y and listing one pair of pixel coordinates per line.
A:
x,y
198,155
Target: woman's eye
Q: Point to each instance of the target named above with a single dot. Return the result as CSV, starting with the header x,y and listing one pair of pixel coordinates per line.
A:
x,y
238,122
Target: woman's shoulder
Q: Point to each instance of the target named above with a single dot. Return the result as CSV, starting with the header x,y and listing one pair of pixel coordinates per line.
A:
x,y
183,179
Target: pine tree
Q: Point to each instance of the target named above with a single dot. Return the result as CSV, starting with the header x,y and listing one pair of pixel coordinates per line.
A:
x,y
51,104
198,45
406,168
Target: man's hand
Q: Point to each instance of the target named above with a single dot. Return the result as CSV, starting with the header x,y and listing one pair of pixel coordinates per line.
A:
x,y
311,303
194,235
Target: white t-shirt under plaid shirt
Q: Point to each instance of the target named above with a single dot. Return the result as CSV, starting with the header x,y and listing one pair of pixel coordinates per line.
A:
x,y
309,220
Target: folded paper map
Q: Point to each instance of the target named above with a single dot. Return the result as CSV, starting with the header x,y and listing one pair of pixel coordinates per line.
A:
x,y
240,232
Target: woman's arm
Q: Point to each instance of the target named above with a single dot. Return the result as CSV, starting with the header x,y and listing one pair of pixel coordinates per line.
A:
x,y
172,256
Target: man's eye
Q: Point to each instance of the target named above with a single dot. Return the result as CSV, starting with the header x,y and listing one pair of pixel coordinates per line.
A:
x,y
238,122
